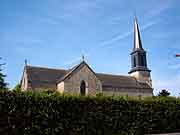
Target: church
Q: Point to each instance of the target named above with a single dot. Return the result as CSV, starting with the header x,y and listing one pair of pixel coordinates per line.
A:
x,y
83,80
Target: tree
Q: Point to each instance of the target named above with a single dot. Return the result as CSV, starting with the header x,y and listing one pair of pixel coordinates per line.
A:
x,y
3,85
164,93
17,88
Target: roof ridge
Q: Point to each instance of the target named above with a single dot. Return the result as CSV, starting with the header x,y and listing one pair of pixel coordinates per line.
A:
x,y
70,71
46,68
114,75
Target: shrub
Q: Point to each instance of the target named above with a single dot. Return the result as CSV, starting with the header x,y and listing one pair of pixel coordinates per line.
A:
x,y
41,113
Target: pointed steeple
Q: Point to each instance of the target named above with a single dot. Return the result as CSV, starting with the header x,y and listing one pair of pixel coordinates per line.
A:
x,y
137,38
139,68
138,55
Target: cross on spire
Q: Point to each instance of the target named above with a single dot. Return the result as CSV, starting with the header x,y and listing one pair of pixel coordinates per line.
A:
x,y
83,58
25,62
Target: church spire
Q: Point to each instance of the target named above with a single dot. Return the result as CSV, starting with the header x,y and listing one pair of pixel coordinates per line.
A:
x,y
138,55
137,38
139,67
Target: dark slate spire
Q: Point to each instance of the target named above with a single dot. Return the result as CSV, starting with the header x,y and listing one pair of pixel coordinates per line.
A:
x,y
138,56
137,38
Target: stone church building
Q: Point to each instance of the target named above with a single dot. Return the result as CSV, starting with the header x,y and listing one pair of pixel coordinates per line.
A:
x,y
81,79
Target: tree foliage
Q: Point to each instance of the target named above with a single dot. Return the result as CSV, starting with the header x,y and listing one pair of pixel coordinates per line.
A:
x,y
17,88
164,93
3,85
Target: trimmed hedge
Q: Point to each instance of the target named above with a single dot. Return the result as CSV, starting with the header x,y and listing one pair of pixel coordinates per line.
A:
x,y
40,113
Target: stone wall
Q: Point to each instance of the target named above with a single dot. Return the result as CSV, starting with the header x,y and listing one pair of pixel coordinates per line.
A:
x,y
143,76
126,91
60,87
73,82
25,85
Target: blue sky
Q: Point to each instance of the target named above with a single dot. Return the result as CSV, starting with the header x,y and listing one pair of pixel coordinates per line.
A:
x,y
55,33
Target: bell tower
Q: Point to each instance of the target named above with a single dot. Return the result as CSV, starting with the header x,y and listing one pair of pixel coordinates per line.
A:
x,y
139,67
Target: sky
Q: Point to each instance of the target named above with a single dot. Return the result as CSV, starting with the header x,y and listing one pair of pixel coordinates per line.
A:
x,y
55,33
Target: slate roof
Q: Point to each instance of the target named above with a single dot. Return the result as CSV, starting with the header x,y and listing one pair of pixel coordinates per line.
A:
x,y
40,77
120,81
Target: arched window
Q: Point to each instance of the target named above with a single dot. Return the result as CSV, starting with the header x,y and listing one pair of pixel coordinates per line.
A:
x,y
83,88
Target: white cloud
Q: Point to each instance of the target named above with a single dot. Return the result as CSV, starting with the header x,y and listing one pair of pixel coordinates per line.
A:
x,y
50,20
23,41
109,42
78,8
119,37
70,63
159,6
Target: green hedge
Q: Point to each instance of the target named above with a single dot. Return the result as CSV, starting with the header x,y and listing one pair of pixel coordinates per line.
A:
x,y
35,113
